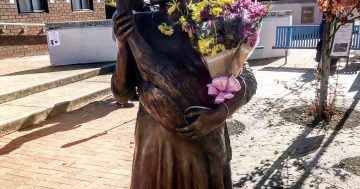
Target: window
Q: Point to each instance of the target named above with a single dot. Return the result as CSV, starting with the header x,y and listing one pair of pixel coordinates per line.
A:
x,y
81,5
307,15
32,6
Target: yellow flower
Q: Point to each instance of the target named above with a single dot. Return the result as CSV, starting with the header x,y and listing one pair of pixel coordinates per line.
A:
x,y
204,45
173,5
195,12
218,48
196,17
216,11
191,6
203,4
226,1
182,20
165,29
220,3
196,9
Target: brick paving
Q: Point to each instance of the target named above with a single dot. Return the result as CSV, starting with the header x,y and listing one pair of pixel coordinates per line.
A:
x,y
92,147
88,148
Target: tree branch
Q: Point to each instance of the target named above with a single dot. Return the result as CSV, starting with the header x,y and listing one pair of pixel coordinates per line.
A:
x,y
347,15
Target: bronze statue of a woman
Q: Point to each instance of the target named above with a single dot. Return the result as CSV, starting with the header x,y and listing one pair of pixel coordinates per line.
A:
x,y
174,150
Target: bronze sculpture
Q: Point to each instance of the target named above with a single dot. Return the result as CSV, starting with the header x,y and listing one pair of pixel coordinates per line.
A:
x,y
173,149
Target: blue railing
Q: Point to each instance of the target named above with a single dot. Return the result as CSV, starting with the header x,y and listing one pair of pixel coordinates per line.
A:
x,y
306,37
356,38
297,37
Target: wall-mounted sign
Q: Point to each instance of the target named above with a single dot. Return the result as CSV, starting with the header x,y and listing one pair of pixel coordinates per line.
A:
x,y
54,39
342,40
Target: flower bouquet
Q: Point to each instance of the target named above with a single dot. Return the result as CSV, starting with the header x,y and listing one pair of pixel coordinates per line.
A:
x,y
225,33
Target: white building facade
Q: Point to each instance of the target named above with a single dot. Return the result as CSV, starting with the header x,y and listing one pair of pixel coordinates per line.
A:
x,y
304,12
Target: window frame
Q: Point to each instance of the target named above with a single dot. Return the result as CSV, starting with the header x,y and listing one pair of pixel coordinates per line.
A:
x,y
91,6
306,20
45,8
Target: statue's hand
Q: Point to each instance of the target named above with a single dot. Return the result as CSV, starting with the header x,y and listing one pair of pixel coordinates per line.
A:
x,y
123,26
204,121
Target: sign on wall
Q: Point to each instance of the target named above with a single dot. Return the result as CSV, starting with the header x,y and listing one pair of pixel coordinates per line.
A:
x,y
54,39
342,41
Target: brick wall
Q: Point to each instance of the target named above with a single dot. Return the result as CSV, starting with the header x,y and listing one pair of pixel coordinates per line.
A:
x,y
15,42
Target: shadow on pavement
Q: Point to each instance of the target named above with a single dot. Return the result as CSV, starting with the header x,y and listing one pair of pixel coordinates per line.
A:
x,y
83,140
352,68
326,144
66,122
263,62
356,86
94,136
308,73
271,174
300,116
235,127
286,69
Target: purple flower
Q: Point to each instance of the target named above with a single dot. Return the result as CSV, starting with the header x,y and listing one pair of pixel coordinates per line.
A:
x,y
204,15
189,28
252,33
239,6
256,11
252,39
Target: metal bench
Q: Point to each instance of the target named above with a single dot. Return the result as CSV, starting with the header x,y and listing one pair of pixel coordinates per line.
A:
x,y
305,37
355,45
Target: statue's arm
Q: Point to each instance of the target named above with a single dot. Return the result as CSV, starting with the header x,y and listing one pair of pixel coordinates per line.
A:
x,y
123,80
209,120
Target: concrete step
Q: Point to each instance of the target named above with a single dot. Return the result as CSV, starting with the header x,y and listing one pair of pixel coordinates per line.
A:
x,y
35,108
15,85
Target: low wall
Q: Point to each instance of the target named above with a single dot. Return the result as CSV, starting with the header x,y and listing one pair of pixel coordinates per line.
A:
x,y
268,34
81,42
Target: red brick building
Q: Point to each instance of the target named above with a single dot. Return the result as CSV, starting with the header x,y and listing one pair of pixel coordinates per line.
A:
x,y
23,39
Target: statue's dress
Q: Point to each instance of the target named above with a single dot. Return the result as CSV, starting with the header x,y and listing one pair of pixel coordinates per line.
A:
x,y
162,159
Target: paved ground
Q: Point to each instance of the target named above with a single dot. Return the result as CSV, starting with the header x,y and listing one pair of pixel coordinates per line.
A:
x,y
13,65
88,148
92,147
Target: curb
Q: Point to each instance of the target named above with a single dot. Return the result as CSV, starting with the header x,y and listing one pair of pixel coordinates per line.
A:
x,y
41,114
57,83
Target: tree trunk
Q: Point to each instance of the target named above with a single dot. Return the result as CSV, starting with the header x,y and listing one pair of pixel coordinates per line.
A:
x,y
325,72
